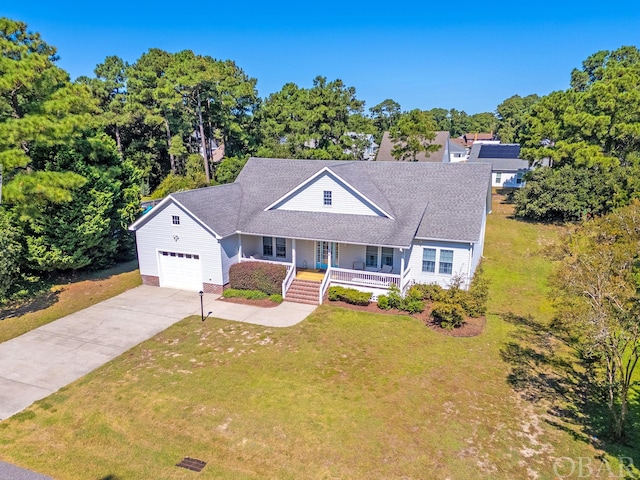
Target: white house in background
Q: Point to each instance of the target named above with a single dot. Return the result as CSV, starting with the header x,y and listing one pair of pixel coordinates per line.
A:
x,y
367,140
457,153
365,225
507,168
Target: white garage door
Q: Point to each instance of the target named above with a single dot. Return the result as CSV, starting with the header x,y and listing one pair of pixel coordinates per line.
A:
x,y
180,270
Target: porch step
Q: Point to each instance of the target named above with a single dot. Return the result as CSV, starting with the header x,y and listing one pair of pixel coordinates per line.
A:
x,y
303,291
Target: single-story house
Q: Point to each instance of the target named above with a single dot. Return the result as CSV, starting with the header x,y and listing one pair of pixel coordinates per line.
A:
x,y
507,167
365,225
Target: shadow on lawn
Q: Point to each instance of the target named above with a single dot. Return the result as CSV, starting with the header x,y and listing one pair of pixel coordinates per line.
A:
x,y
40,302
40,296
545,371
82,275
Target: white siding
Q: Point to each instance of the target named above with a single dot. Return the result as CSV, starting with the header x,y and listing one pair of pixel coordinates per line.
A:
x,y
507,179
349,253
343,200
461,261
461,157
159,233
305,252
229,255
251,245
478,248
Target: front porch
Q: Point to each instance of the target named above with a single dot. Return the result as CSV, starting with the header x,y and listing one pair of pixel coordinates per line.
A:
x,y
370,268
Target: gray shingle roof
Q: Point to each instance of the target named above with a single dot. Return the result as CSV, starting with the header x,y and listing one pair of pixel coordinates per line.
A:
x,y
217,207
440,201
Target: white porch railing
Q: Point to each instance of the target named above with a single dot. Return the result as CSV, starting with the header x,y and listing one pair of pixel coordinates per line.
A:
x,y
405,281
325,284
288,280
263,260
364,278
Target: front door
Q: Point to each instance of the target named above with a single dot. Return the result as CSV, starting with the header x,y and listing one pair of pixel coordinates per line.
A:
x,y
322,254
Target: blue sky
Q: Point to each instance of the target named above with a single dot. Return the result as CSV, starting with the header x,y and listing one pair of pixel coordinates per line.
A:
x,y
421,54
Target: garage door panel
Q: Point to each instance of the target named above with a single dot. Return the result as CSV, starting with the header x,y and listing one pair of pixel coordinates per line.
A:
x,y
180,270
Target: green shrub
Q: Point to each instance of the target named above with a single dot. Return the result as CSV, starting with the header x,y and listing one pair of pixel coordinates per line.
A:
x,y
383,302
430,292
276,298
248,294
476,305
395,297
266,277
356,297
335,294
349,295
413,305
448,315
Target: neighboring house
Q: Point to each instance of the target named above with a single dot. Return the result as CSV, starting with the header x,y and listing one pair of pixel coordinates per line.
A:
x,y
468,139
441,155
215,149
367,147
366,225
457,153
507,167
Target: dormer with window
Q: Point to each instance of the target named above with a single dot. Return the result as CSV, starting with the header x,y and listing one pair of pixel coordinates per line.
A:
x,y
328,192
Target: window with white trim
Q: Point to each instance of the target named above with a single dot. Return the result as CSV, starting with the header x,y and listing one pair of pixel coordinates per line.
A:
x,y
175,219
386,257
499,177
429,260
371,257
280,247
327,198
446,262
267,246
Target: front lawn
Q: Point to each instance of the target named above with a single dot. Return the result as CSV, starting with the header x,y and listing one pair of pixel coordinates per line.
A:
x,y
344,394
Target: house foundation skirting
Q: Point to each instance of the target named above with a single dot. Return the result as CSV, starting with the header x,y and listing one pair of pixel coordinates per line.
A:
x,y
150,280
213,288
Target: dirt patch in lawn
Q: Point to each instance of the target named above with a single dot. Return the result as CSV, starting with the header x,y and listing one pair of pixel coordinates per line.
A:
x,y
470,328
262,303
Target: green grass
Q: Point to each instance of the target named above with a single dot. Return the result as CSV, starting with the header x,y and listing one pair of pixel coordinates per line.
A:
x,y
69,295
344,394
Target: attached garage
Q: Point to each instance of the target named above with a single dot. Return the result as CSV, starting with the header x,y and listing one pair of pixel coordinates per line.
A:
x,y
180,270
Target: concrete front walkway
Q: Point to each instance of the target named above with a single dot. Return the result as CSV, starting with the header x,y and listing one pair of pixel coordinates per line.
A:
x,y
40,362
286,314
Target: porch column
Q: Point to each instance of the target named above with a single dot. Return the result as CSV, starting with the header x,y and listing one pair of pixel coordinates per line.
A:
x,y
240,247
293,251
329,257
401,263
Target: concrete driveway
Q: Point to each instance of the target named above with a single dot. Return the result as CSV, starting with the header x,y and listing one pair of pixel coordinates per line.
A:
x,y
42,361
